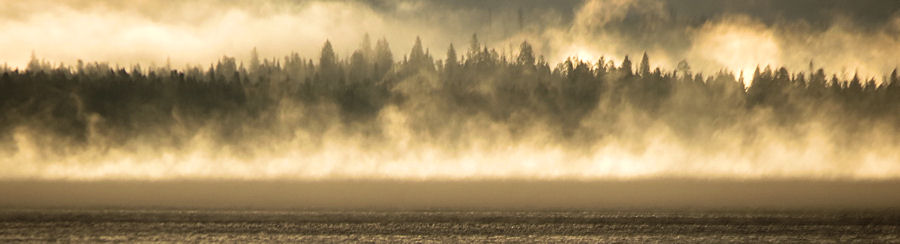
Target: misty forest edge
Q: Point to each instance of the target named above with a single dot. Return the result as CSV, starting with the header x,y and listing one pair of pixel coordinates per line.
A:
x,y
578,102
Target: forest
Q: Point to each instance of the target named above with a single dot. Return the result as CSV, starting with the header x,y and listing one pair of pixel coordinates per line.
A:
x,y
447,100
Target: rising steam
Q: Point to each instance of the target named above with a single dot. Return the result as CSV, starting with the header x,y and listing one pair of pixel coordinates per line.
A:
x,y
488,107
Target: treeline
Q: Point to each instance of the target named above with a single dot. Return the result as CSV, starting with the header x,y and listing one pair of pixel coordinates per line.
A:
x,y
576,101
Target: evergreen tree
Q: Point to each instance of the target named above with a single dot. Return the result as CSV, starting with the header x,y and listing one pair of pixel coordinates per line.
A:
x,y
384,59
626,67
526,55
645,66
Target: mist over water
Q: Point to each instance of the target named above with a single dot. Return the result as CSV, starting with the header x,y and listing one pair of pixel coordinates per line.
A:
x,y
573,90
450,121
473,115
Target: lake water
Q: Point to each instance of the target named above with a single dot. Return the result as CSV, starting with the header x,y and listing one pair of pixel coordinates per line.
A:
x,y
448,226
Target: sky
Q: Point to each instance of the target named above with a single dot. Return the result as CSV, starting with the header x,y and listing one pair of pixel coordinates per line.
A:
x,y
844,37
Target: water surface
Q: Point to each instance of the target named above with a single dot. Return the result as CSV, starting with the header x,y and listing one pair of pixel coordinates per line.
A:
x,y
130,225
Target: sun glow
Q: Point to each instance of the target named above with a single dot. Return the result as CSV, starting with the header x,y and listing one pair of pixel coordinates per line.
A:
x,y
738,45
581,53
